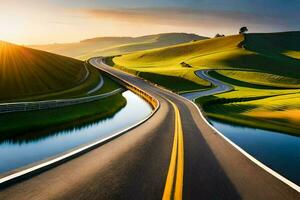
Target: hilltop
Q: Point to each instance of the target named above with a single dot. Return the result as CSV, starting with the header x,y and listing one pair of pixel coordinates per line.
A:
x,y
105,46
27,72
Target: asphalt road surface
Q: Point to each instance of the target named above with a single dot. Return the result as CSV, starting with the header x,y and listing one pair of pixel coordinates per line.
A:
x,y
173,155
219,86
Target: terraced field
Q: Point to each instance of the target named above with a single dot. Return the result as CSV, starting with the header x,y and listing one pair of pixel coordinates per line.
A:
x,y
263,68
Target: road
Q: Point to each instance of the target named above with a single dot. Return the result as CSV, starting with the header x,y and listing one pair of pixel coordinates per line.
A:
x,y
173,155
220,86
98,86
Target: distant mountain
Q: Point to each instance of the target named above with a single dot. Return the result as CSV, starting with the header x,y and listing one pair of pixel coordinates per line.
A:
x,y
26,72
105,46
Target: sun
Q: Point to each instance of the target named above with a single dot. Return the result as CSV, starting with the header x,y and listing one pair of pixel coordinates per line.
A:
x,y
12,25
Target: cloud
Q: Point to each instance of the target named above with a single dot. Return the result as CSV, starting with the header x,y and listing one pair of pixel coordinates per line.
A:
x,y
194,17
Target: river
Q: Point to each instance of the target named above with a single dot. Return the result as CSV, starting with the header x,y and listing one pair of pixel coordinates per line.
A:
x,y
18,154
279,151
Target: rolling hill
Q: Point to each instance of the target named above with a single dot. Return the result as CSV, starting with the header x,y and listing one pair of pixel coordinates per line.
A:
x,y
27,72
250,51
105,46
263,68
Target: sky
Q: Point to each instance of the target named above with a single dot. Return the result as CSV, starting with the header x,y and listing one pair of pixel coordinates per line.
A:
x,y
57,21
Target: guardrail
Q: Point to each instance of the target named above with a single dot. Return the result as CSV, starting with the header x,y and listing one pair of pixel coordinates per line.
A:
x,y
147,97
40,105
50,104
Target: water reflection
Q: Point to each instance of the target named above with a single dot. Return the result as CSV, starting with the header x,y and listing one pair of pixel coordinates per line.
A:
x,y
17,154
279,151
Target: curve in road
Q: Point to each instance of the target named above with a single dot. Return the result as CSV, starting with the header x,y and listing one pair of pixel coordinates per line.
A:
x,y
98,86
136,165
219,86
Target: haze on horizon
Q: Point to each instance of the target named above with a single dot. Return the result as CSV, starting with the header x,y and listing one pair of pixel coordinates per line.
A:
x,y
54,21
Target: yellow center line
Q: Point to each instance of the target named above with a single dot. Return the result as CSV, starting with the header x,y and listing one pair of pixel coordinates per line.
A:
x,y
174,182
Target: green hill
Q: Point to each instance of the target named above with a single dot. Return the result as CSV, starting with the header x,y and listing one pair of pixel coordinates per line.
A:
x,y
211,53
263,68
252,52
27,72
28,75
105,46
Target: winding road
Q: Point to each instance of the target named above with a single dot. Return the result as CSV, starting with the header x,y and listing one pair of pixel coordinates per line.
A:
x,y
220,86
175,154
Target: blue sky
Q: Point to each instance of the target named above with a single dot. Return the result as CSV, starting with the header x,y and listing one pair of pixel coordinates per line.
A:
x,y
261,6
52,20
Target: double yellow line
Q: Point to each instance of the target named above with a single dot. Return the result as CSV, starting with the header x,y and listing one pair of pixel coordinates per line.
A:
x,y
174,183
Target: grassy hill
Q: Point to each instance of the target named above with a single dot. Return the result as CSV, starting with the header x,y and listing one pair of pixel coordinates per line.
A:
x,y
263,68
170,60
105,46
27,72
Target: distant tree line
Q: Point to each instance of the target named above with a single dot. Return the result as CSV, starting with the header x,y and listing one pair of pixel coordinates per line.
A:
x,y
242,30
219,35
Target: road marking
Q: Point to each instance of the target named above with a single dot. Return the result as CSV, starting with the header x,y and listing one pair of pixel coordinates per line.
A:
x,y
174,182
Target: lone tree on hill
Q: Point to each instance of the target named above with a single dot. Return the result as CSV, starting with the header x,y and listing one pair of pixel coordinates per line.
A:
x,y
243,30
219,35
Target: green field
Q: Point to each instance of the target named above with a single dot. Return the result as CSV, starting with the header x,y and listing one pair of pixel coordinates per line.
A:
x,y
263,68
107,46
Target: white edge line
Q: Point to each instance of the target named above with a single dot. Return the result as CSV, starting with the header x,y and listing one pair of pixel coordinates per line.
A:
x,y
257,162
251,158
16,175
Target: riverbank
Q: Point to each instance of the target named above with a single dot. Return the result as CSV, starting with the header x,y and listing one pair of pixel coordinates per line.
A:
x,y
21,152
38,123
275,149
267,105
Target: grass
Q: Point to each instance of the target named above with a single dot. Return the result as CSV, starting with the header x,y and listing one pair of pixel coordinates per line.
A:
x,y
263,68
231,52
30,75
19,125
26,72
272,108
176,84
174,81
256,79
168,61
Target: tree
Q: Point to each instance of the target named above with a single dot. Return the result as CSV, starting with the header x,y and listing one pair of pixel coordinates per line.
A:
x,y
219,35
243,30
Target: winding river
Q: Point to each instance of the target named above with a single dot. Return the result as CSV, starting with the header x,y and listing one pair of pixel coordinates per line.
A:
x,y
19,154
